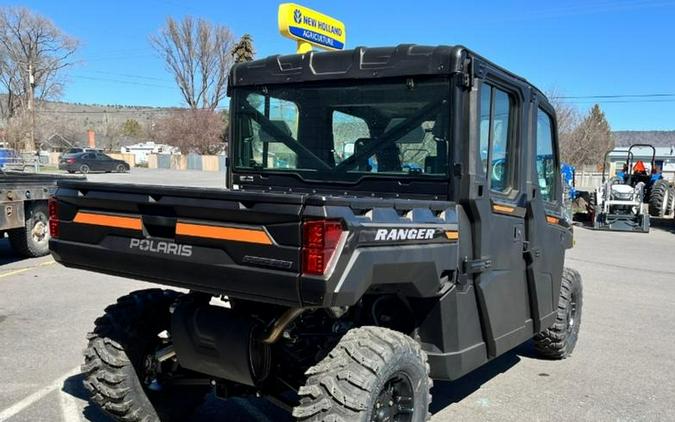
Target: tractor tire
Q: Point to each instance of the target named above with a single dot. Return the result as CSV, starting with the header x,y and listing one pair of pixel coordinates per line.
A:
x,y
116,360
32,240
373,374
558,341
660,199
593,209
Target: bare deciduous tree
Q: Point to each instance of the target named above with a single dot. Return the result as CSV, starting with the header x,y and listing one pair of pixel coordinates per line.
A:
x,y
583,140
16,129
33,54
192,130
198,54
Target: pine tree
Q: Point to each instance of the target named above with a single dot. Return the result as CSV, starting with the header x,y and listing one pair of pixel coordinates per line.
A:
x,y
243,51
590,140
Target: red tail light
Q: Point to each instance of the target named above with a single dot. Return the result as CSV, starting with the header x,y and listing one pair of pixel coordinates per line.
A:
x,y
53,207
320,238
70,161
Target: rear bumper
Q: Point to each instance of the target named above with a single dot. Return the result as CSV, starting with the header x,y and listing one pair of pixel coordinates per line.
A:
x,y
223,278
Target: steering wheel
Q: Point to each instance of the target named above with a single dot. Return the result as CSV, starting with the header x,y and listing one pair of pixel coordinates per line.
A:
x,y
498,169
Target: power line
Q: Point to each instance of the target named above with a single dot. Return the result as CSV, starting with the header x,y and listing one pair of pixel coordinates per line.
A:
x,y
587,8
119,81
127,75
572,97
619,101
137,111
120,57
111,111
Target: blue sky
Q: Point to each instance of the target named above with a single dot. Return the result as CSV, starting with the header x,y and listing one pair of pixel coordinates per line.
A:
x,y
591,47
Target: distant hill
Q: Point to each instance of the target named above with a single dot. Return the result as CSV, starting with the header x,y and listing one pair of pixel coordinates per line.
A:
x,y
658,138
72,120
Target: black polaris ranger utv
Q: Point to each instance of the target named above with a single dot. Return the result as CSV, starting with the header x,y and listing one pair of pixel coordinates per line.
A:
x,y
394,216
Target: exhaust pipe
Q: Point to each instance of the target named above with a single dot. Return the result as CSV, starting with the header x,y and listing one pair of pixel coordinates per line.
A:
x,y
281,324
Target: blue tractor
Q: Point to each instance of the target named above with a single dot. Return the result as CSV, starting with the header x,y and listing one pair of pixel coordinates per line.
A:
x,y
567,171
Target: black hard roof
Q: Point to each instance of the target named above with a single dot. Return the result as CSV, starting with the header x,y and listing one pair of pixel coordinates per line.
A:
x,y
358,63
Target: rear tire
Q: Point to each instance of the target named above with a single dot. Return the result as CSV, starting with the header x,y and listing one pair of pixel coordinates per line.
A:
x,y
84,169
373,374
660,199
32,240
116,361
121,168
558,341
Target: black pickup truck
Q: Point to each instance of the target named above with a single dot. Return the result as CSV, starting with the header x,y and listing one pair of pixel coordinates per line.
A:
x,y
393,215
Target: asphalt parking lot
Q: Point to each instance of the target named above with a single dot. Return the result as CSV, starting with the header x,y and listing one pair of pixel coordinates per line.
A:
x,y
211,179
622,369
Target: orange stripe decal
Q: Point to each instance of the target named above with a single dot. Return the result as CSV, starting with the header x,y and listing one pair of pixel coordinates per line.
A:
x,y
131,223
505,209
452,235
552,220
223,233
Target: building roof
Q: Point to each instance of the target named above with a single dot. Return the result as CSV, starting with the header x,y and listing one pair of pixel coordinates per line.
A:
x,y
619,153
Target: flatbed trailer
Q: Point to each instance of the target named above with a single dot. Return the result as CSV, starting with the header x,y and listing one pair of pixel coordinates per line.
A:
x,y
23,210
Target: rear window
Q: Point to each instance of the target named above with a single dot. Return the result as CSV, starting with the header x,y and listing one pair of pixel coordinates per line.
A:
x,y
342,132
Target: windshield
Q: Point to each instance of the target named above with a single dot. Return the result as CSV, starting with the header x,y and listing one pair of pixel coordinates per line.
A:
x,y
344,132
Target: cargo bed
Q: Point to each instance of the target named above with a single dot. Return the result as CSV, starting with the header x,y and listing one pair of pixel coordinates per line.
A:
x,y
195,238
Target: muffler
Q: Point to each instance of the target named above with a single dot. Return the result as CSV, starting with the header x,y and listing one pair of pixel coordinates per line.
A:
x,y
220,343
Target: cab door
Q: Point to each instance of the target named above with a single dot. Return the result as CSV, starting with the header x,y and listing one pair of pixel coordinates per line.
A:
x,y
499,217
103,162
90,160
546,224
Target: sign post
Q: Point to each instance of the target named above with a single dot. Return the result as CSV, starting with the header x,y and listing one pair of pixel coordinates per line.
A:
x,y
311,28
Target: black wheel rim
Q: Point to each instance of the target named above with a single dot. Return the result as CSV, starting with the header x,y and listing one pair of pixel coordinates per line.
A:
x,y
572,312
395,401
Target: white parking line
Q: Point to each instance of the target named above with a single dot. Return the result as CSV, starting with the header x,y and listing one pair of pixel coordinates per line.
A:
x,y
36,396
69,408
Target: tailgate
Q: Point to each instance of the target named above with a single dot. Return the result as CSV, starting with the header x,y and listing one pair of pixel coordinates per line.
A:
x,y
242,244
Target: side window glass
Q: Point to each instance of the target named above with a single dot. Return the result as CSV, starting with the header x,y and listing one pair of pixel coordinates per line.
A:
x,y
485,102
500,141
495,133
546,169
347,129
266,150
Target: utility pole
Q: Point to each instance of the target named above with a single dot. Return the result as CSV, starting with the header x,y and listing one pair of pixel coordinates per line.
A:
x,y
30,103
